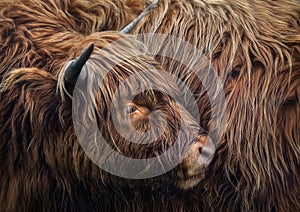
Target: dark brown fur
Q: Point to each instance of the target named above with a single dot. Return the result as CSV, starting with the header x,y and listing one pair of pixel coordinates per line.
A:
x,y
28,28
254,47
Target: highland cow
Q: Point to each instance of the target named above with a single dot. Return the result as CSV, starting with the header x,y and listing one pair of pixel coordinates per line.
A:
x,y
43,161
254,48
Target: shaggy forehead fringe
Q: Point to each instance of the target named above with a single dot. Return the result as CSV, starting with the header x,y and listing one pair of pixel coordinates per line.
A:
x,y
214,26
120,58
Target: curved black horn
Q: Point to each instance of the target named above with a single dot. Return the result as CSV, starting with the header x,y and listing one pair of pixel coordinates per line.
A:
x,y
74,68
130,26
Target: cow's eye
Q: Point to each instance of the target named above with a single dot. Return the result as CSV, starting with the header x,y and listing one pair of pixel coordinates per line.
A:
x,y
130,109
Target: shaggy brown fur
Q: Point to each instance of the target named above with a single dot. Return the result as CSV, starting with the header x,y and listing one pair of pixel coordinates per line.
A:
x,y
42,165
254,47
28,28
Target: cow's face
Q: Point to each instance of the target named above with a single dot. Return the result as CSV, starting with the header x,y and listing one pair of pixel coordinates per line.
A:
x,y
145,124
150,123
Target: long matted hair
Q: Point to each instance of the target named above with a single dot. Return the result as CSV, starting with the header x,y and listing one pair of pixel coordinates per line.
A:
x,y
254,47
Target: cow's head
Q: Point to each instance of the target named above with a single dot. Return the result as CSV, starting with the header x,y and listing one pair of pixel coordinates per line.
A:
x,y
131,117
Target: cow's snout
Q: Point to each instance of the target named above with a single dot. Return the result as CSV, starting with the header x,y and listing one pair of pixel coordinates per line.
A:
x,y
206,148
192,169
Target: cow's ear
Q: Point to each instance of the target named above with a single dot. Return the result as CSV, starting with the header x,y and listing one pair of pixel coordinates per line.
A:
x,y
74,68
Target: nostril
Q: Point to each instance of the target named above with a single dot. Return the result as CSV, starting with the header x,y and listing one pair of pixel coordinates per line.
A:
x,y
200,150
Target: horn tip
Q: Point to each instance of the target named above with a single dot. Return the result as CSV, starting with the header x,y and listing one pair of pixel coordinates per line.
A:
x,y
88,50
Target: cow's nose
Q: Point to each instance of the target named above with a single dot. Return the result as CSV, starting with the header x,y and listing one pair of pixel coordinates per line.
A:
x,y
192,168
201,141
206,148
